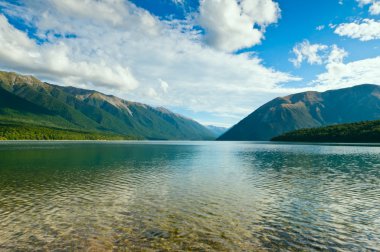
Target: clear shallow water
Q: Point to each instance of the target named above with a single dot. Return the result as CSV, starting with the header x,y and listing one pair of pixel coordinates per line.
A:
x,y
221,196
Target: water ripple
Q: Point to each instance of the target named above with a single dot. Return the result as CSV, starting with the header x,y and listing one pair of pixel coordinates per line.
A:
x,y
115,196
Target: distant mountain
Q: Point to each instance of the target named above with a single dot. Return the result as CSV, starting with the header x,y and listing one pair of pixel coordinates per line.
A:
x,y
360,132
308,110
27,100
217,131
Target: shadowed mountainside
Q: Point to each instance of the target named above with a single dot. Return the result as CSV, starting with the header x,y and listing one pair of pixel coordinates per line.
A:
x,y
26,100
308,110
218,131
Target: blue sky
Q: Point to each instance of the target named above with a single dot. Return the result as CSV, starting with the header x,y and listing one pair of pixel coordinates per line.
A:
x,y
212,60
299,20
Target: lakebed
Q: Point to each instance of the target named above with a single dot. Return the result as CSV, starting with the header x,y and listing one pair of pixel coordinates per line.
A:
x,y
178,195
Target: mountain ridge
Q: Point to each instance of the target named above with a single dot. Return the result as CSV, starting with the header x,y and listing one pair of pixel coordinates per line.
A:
x,y
307,110
82,109
217,130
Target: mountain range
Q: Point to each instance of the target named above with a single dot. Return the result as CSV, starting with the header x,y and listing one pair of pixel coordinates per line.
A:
x,y
28,101
217,130
308,110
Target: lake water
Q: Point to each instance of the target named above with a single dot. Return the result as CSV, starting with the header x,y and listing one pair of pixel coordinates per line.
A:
x,y
202,196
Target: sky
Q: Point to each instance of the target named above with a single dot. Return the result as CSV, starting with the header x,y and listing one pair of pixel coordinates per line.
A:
x,y
215,61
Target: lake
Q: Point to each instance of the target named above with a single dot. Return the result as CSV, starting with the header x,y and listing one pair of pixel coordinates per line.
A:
x,y
202,196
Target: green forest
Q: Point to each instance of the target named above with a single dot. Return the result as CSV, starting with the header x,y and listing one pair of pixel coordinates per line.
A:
x,y
360,132
14,131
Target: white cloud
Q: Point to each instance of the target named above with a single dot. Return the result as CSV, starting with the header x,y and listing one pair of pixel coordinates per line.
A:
x,y
179,2
124,50
311,53
108,10
58,61
262,12
332,56
151,92
164,85
339,75
231,25
374,8
367,29
364,2
336,55
320,27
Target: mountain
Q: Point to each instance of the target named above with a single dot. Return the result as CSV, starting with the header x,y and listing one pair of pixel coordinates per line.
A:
x,y
26,100
216,130
360,132
308,110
